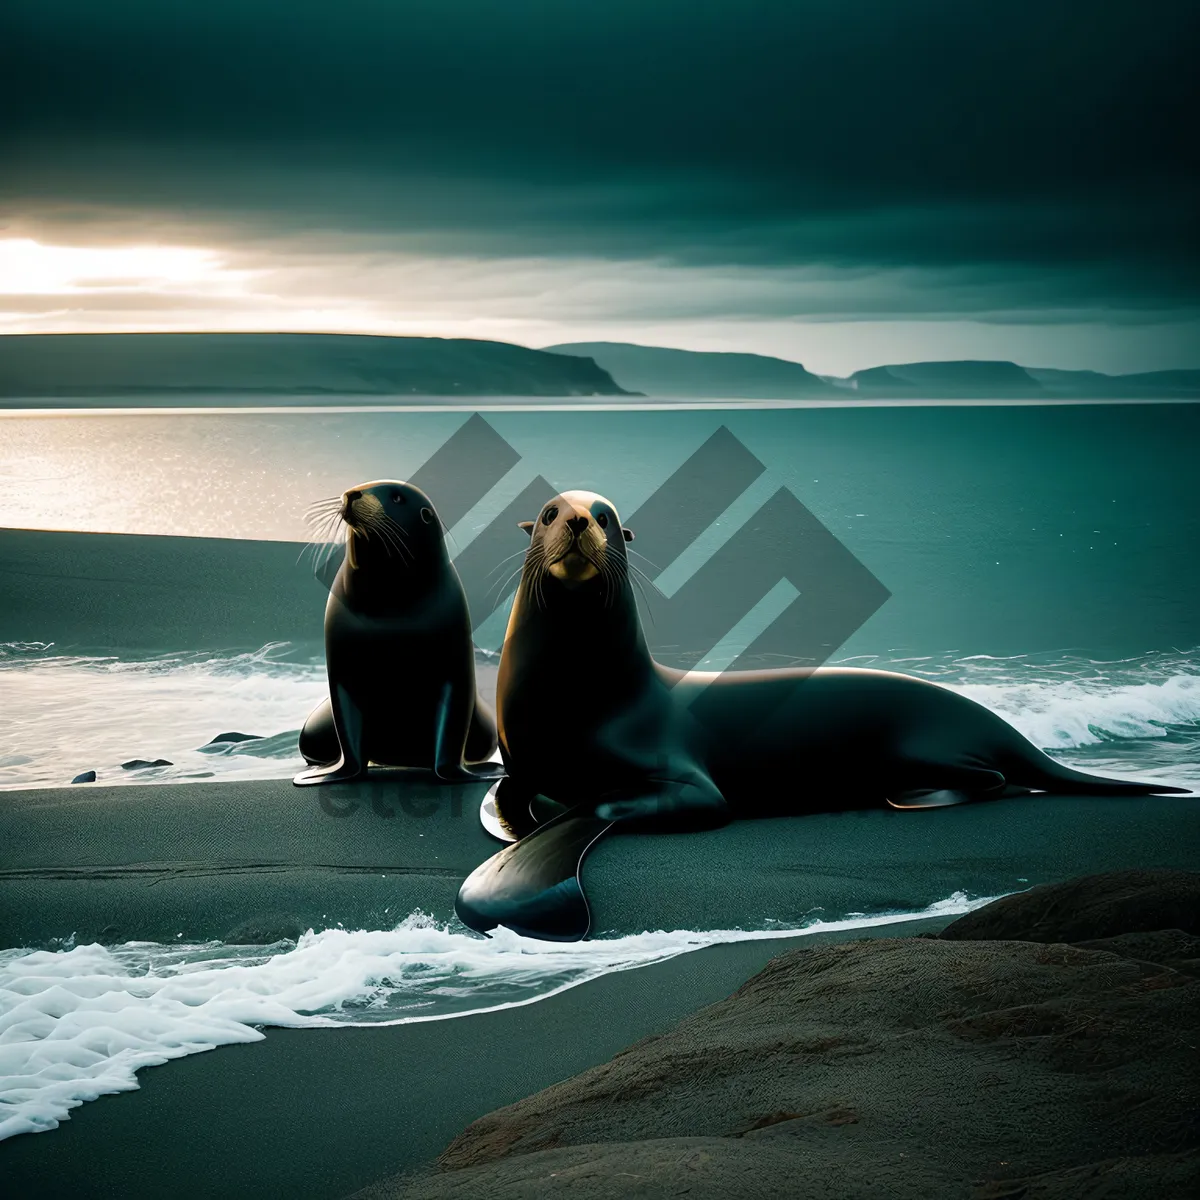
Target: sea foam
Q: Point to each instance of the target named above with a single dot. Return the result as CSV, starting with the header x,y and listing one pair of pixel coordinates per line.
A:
x,y
68,714
80,1022
1072,714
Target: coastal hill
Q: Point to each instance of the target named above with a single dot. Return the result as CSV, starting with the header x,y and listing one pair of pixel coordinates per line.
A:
x,y
1006,380
659,371
42,369
109,364
993,380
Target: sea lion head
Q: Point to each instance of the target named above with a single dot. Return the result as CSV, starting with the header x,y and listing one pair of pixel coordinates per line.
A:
x,y
389,523
577,541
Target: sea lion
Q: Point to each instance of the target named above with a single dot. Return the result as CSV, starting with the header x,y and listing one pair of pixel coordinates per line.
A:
x,y
593,731
398,649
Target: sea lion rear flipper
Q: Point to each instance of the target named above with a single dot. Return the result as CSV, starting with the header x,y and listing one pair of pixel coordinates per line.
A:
x,y
532,886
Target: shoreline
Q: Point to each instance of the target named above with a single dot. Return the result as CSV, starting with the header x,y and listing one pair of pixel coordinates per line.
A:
x,y
363,1104
560,404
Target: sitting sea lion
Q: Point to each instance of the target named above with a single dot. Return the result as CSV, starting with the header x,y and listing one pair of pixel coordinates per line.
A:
x,y
594,731
398,650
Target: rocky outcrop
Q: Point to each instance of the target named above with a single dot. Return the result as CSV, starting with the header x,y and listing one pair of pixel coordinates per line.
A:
x,y
916,1067
1096,906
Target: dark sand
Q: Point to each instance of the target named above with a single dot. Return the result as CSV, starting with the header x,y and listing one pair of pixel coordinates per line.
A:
x,y
320,1113
248,860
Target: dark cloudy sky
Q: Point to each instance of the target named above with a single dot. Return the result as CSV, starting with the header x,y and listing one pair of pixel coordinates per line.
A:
x,y
843,182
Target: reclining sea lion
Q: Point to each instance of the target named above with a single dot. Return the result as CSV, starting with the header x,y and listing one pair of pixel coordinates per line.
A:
x,y
593,731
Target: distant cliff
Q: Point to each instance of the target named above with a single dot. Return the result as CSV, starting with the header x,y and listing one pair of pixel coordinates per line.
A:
x,y
659,371
42,368
975,380
994,380
112,364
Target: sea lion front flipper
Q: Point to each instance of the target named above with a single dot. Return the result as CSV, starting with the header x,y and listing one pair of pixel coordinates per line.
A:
x,y
510,812
348,724
452,720
960,783
532,887
461,773
689,803
929,798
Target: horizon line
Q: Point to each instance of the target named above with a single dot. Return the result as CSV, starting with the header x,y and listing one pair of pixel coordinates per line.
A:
x,y
437,337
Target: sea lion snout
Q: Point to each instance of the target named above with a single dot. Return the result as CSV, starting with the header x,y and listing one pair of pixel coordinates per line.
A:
x,y
361,506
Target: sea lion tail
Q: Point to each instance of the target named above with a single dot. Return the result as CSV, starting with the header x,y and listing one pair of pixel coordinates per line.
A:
x,y
1046,774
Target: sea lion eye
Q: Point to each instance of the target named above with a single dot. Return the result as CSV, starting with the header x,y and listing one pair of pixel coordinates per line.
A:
x,y
399,498
549,515
602,520
427,515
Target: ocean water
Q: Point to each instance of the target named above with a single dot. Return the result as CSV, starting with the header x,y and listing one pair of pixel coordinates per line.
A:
x,y
1040,559
80,1022
64,714
1001,529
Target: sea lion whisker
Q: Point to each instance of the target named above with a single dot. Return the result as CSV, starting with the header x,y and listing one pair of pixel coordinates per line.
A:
x,y
620,576
508,558
645,599
397,532
637,583
382,531
631,550
530,569
325,552
608,576
638,573
321,543
406,555
317,512
388,535
319,520
538,577
499,588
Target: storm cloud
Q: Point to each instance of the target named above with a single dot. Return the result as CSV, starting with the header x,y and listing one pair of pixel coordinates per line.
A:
x,y
1009,161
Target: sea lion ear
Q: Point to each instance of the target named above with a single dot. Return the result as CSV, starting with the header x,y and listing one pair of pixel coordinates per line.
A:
x,y
527,526
628,534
